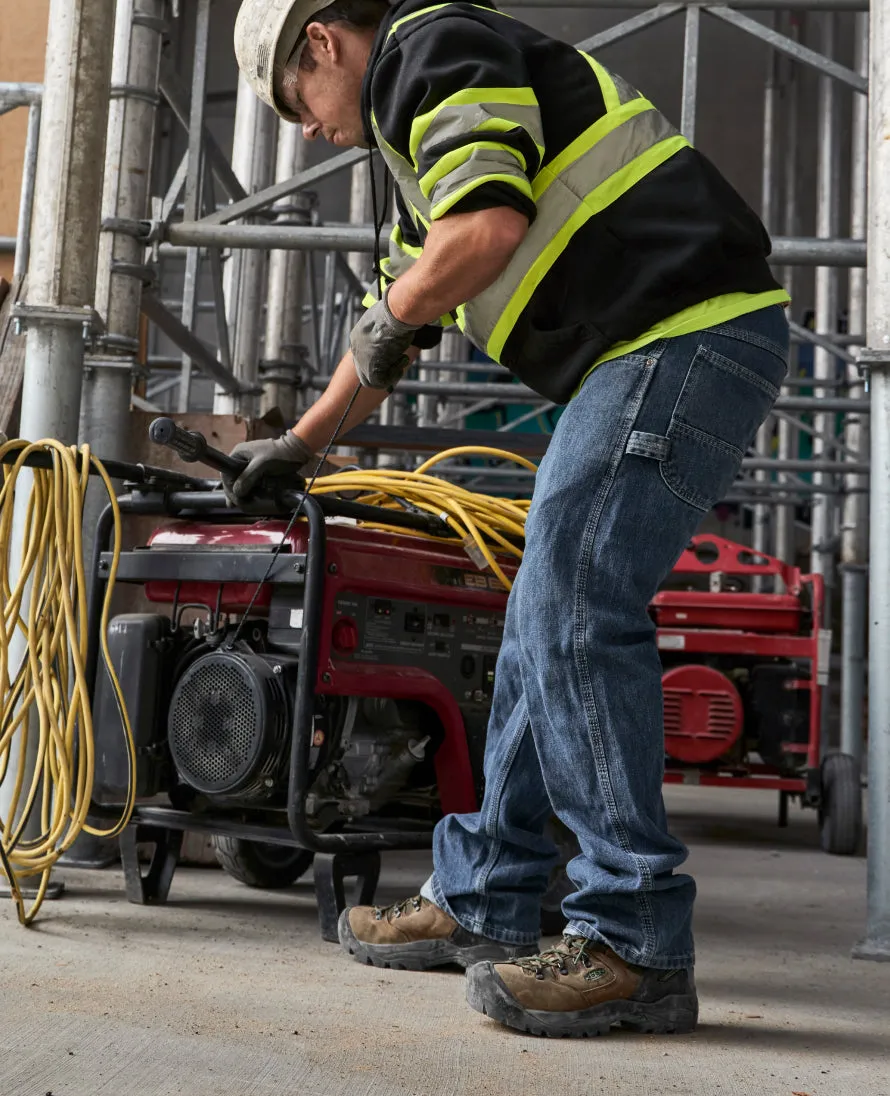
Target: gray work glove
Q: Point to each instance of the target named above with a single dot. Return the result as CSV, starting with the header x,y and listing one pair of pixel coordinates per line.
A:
x,y
285,454
378,343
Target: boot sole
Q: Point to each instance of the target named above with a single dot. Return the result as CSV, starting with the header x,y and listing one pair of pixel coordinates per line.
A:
x,y
486,993
421,954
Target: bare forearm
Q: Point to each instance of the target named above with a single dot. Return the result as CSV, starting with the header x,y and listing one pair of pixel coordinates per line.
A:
x,y
319,422
463,255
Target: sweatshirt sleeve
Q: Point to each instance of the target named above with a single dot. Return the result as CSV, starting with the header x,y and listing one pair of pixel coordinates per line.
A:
x,y
452,97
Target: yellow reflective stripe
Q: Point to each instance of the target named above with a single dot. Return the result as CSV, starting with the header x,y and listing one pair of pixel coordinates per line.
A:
x,y
457,158
523,97
519,182
398,239
436,7
698,317
585,141
414,15
595,202
607,85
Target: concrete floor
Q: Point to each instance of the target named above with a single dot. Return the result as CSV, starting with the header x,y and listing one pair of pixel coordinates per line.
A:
x,y
229,992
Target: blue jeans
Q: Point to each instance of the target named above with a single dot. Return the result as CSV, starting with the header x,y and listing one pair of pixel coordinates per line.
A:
x,y
649,444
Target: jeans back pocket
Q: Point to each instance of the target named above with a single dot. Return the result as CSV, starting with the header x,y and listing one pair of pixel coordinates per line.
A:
x,y
720,407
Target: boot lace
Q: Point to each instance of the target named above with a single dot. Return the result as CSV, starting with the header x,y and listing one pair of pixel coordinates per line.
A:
x,y
398,909
571,953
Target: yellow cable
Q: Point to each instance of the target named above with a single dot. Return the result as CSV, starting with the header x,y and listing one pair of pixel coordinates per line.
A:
x,y
45,696
478,521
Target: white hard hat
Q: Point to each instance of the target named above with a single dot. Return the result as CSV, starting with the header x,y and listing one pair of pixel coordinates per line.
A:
x,y
266,32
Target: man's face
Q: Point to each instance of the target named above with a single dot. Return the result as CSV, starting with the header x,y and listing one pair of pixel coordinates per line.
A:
x,y
324,86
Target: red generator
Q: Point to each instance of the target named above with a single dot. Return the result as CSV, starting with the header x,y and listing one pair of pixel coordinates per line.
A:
x,y
744,676
319,690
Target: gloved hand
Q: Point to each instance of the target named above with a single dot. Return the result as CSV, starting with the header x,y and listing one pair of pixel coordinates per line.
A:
x,y
378,343
285,454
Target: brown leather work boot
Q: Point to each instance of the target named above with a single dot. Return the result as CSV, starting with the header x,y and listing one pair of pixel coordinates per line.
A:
x,y
582,988
416,935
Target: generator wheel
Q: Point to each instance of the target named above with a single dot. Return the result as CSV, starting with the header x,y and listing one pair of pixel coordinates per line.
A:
x,y
256,864
840,814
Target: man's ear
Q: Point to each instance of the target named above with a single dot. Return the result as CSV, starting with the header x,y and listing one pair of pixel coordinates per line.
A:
x,y
324,41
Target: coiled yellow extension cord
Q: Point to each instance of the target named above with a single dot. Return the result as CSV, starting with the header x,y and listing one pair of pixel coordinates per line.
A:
x,y
477,520
44,598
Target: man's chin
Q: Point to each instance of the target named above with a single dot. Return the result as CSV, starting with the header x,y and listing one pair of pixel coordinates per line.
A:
x,y
349,140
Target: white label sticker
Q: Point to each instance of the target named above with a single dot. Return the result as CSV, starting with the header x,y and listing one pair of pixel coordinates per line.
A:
x,y
824,656
672,643
296,618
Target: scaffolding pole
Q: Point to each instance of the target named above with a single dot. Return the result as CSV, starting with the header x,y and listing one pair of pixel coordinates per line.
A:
x,y
854,526
253,161
105,402
876,944
58,310
284,356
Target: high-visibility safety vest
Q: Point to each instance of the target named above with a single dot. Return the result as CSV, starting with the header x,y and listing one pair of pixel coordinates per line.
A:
x,y
634,235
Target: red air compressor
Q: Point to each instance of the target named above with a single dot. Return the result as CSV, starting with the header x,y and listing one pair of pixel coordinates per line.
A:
x,y
329,696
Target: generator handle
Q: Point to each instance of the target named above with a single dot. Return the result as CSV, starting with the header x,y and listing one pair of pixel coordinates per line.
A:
x,y
192,446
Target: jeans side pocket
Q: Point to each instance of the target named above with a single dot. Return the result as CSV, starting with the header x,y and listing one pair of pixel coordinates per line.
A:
x,y
718,412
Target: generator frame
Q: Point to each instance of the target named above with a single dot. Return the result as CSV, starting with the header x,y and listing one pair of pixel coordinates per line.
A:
x,y
338,856
724,623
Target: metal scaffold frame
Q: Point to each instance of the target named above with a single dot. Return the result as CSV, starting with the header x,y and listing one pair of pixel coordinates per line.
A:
x,y
246,230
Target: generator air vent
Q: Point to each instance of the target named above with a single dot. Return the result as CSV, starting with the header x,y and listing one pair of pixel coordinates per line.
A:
x,y
703,714
228,725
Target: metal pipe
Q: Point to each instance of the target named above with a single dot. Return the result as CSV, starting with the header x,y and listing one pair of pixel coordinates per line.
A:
x,y
764,440
854,523
13,96
105,403
194,186
306,179
253,162
826,306
792,48
627,27
690,73
785,526
854,579
876,944
805,251
26,199
359,214
284,297
62,269
520,393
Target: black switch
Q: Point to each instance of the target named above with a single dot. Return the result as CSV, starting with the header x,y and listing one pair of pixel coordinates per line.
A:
x,y
415,623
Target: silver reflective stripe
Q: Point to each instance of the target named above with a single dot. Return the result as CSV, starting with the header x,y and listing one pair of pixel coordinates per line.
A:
x,y
460,120
556,204
626,91
399,260
404,175
480,163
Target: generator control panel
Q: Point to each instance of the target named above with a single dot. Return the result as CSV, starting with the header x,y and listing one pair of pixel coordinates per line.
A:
x,y
458,644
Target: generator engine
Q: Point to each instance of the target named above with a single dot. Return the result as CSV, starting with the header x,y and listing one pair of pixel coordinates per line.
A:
x,y
402,687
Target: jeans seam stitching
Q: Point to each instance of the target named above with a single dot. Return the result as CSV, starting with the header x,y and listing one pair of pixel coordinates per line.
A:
x,y
582,665
729,331
497,795
720,361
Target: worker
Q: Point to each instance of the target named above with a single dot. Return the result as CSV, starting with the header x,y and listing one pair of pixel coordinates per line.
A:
x,y
546,207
